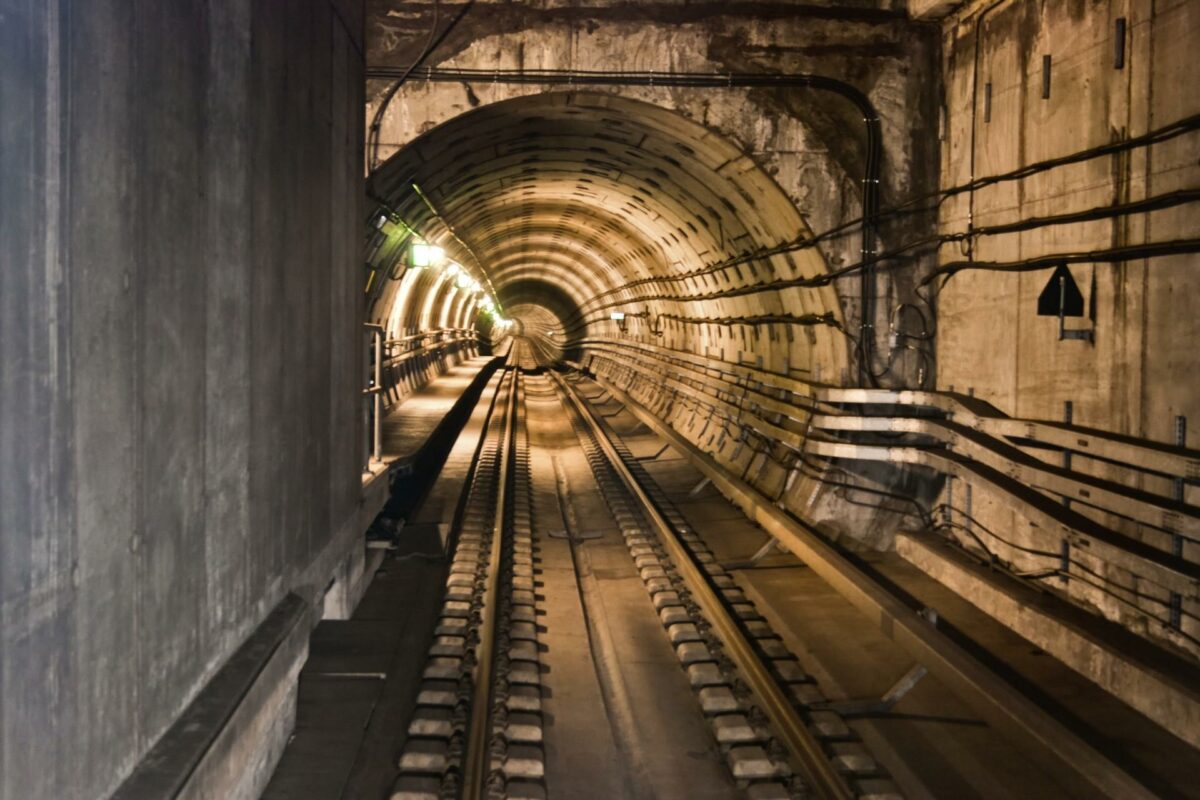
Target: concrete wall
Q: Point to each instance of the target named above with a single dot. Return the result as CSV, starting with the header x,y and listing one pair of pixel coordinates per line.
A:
x,y
180,218
1139,375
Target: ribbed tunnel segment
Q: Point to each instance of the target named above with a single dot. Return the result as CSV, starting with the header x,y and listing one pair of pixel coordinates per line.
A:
x,y
580,206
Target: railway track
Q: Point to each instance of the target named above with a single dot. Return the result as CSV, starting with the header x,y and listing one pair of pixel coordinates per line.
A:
x,y
491,711
478,732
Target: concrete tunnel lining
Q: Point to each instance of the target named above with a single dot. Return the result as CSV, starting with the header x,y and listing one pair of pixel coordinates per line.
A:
x,y
588,192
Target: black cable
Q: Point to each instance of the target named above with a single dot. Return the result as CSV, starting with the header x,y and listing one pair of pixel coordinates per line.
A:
x,y
701,386
1109,256
402,76
946,507
871,215
817,474
1109,581
1047,554
928,243
1161,134
1101,588
377,120
945,272
986,549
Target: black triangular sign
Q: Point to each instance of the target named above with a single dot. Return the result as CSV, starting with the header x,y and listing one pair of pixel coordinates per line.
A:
x,y
1061,294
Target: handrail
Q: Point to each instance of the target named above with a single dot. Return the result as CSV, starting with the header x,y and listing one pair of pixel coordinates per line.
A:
x,y
408,355
376,392
445,338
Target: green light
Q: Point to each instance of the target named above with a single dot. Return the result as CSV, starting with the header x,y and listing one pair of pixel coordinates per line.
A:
x,y
426,255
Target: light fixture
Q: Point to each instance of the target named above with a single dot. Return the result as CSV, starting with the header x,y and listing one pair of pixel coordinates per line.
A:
x,y
427,255
619,318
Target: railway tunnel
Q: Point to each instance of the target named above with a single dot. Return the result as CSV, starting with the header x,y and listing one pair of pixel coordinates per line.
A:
x,y
639,400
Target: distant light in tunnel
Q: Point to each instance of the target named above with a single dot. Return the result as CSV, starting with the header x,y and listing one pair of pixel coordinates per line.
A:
x,y
427,255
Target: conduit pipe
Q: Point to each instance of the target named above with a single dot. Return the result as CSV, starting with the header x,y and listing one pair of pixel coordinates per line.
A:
x,y
988,693
1166,514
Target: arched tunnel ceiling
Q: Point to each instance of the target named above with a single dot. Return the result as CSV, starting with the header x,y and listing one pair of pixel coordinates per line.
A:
x,y
585,192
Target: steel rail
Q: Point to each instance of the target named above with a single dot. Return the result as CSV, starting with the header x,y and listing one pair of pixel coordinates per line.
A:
x,y
477,756
787,723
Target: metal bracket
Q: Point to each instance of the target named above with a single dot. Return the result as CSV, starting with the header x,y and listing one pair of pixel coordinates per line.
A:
x,y
576,536
699,487
771,544
654,457
871,706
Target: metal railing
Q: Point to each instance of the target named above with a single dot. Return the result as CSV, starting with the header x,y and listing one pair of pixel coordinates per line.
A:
x,y
396,361
374,392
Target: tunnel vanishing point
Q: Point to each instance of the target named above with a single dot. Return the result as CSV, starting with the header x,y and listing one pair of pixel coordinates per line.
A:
x,y
439,399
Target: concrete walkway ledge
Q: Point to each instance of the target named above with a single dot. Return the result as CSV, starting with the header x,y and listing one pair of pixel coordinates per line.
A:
x,y
1159,684
226,743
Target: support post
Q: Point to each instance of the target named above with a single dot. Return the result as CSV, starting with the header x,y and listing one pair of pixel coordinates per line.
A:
x,y
377,439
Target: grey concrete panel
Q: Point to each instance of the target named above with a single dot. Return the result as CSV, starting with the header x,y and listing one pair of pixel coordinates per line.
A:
x,y
174,193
